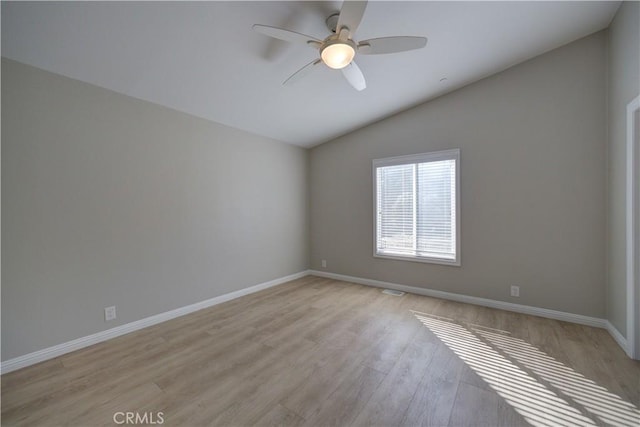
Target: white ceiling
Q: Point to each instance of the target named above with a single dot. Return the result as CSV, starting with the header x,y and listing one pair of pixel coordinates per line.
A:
x,y
203,58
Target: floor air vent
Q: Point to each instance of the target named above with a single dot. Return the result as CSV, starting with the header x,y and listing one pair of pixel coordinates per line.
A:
x,y
392,292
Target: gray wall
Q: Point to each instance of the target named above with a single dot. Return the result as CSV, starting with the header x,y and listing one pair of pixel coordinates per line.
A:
x,y
108,200
533,169
624,86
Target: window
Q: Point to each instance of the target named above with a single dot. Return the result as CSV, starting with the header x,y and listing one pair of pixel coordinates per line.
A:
x,y
417,207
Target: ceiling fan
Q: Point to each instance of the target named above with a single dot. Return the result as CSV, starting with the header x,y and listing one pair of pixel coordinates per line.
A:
x,y
338,49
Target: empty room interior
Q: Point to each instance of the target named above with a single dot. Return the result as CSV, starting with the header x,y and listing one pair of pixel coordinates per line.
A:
x,y
320,213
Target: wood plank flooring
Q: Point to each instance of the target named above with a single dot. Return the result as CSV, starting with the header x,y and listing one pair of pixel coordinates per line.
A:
x,y
320,352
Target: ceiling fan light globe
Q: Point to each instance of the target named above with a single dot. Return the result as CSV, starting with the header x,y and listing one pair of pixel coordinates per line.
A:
x,y
337,55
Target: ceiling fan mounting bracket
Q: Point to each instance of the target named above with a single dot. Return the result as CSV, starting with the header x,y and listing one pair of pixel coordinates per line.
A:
x,y
332,21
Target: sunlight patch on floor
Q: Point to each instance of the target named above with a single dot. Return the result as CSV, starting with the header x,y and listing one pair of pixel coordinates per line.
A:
x,y
597,400
512,367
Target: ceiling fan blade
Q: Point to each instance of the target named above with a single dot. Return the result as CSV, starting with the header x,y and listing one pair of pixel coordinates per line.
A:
x,y
302,72
391,45
354,76
351,15
286,35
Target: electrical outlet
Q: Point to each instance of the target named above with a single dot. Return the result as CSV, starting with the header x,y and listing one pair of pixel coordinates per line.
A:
x,y
515,291
109,313
324,263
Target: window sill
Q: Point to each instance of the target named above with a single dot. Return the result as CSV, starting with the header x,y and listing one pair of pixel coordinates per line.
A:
x,y
426,260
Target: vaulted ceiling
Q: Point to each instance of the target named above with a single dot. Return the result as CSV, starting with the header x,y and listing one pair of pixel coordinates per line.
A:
x,y
204,59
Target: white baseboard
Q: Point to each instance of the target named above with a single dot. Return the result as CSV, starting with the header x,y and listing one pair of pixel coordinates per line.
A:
x,y
67,347
617,336
502,305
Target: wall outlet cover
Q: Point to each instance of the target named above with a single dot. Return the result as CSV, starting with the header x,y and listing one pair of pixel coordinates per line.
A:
x,y
109,313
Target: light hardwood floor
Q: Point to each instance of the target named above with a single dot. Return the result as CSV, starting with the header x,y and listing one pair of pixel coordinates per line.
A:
x,y
323,352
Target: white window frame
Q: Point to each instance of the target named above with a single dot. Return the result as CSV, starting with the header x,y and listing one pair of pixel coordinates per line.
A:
x,y
453,154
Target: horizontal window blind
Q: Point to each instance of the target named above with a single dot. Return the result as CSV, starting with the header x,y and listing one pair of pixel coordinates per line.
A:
x,y
396,202
436,209
416,208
